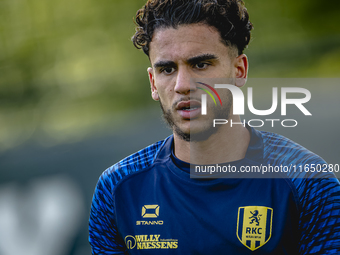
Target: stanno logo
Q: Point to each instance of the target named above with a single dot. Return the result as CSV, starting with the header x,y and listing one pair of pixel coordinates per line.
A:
x,y
150,211
254,226
149,222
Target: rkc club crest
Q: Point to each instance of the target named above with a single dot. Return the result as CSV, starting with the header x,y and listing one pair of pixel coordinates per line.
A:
x,y
254,226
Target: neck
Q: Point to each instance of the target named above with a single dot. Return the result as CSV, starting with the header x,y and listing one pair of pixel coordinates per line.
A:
x,y
226,145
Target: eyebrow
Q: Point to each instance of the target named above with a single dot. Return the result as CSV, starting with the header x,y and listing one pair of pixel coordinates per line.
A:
x,y
164,63
201,58
191,61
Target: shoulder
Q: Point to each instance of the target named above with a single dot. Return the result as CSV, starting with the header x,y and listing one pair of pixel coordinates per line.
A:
x,y
279,150
136,162
104,236
308,173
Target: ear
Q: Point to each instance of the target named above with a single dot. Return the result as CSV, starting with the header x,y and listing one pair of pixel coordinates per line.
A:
x,y
154,93
241,66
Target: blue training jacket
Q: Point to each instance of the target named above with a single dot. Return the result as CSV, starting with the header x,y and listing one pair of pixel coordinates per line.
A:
x,y
148,204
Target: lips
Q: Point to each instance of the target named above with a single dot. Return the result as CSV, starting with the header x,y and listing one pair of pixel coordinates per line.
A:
x,y
189,109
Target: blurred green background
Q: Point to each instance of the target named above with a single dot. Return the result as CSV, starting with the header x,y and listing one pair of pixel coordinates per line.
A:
x,y
75,98
67,67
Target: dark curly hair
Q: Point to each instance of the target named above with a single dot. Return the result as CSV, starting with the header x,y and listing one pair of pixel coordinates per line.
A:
x,y
230,17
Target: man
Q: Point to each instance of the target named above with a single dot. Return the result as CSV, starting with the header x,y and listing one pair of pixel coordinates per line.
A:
x,y
148,204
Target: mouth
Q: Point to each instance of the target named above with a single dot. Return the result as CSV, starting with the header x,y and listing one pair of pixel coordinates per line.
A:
x,y
188,105
189,109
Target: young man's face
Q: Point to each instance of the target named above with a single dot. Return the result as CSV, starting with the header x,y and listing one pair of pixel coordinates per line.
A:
x,y
177,57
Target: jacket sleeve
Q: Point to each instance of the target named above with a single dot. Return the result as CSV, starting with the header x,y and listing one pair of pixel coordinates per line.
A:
x,y
103,234
320,216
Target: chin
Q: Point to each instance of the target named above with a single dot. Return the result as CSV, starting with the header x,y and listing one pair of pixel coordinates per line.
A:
x,y
196,132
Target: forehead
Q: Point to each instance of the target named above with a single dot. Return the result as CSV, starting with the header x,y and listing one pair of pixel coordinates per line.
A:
x,y
186,41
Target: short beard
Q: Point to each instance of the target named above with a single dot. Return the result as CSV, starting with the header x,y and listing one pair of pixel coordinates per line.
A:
x,y
220,113
167,116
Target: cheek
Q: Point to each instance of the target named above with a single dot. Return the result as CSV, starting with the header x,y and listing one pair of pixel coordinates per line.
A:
x,y
166,91
165,88
167,97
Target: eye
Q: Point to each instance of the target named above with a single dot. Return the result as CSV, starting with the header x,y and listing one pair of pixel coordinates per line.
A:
x,y
168,70
202,65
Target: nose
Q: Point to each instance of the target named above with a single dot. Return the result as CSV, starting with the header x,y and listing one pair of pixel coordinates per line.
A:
x,y
184,84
